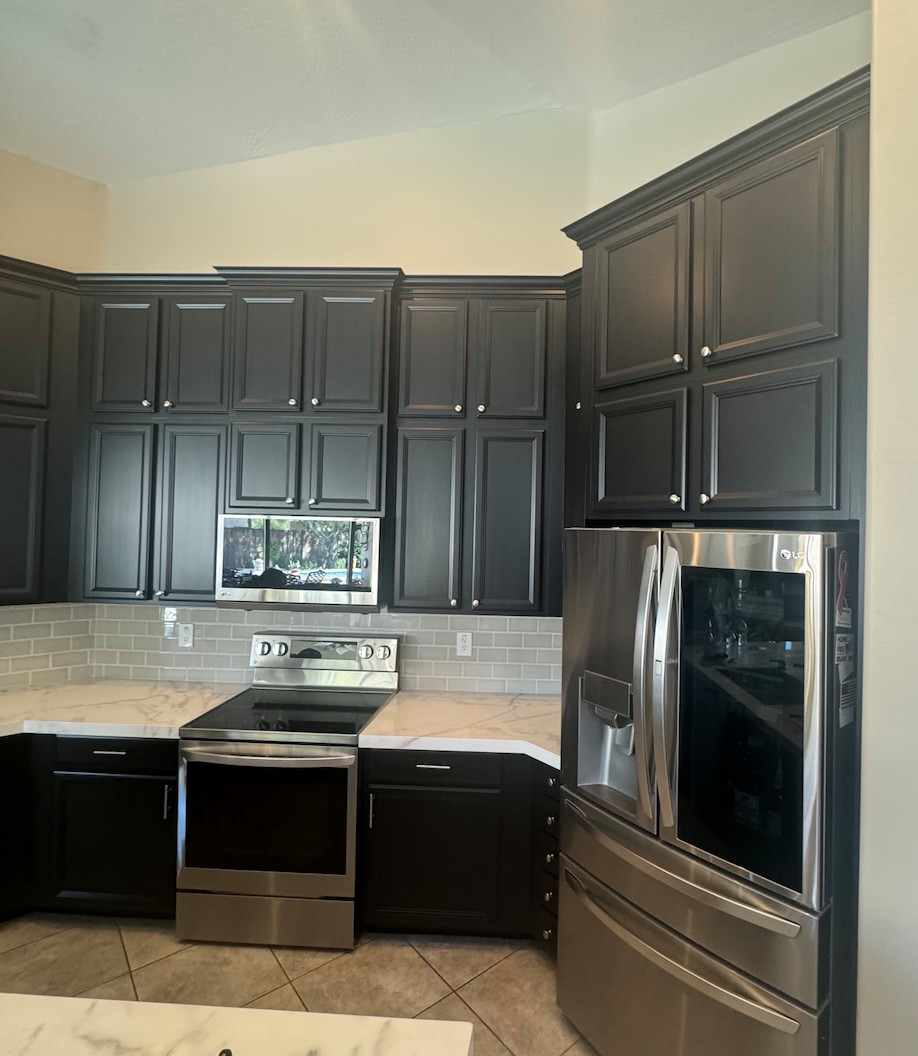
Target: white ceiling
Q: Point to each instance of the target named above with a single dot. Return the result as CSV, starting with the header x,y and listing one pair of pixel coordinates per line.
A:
x,y
119,89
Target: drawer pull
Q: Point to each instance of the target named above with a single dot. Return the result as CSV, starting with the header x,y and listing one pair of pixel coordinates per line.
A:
x,y
107,751
547,933
550,858
552,782
548,896
550,820
433,766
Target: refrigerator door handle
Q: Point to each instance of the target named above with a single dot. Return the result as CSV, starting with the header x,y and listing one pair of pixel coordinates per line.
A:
x,y
662,662
759,917
743,1005
641,710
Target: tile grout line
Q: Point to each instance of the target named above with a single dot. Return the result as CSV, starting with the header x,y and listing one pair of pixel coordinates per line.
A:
x,y
127,959
489,1029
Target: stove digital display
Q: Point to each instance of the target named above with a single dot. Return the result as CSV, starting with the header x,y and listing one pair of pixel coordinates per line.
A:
x,y
307,649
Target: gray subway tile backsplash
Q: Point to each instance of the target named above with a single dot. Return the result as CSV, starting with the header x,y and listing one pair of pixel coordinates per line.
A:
x,y
42,644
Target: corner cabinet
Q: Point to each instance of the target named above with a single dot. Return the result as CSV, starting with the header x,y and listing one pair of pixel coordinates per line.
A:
x,y
723,369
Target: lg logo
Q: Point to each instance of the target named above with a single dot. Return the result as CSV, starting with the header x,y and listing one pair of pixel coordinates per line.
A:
x,y
797,555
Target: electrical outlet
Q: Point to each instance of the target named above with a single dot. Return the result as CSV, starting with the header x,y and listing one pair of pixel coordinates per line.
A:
x,y
464,643
185,635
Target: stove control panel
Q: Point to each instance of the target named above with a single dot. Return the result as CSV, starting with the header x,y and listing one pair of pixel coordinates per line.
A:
x,y
321,658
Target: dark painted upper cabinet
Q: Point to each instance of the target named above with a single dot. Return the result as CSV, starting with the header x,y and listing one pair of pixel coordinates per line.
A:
x,y
124,347
22,477
118,514
348,351
268,361
344,466
772,252
264,465
642,277
25,343
512,352
507,519
196,361
432,357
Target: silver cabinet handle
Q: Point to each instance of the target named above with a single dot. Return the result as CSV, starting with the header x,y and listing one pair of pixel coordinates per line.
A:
x,y
481,408
577,405
145,403
706,352
372,808
550,820
107,751
165,802
548,896
552,781
454,602
160,593
313,501
295,762
432,766
663,659
289,500
678,359
702,498
138,593
475,603
292,401
550,858
167,403
458,408
675,499
547,933
315,401
714,990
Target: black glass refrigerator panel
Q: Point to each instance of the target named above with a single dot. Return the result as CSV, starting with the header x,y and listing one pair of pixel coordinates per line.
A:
x,y
267,819
741,719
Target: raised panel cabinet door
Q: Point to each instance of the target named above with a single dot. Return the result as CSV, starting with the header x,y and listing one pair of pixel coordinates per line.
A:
x,y
197,361
512,351
118,511
507,520
22,485
25,343
348,351
344,466
771,253
191,480
114,842
433,345
640,282
124,347
433,858
639,453
269,341
770,439
264,465
16,787
428,517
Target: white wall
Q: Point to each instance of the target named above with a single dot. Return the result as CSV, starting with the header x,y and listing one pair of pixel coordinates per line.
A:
x,y
50,216
888,959
641,139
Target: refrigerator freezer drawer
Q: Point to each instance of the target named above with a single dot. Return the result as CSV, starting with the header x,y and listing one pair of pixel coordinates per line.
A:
x,y
776,942
632,986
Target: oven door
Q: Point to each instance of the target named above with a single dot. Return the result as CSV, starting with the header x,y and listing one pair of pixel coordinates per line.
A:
x,y
267,819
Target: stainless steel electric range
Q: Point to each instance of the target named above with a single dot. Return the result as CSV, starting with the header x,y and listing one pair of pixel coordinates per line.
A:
x,y
268,793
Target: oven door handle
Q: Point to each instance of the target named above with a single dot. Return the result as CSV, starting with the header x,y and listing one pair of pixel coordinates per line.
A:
x,y
297,762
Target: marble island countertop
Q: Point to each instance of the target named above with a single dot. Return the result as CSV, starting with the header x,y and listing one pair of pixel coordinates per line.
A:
x,y
52,1026
472,722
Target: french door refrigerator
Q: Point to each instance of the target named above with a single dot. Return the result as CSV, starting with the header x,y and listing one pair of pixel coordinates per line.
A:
x,y
708,832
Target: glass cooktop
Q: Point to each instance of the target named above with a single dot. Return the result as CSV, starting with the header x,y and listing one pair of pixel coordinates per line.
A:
x,y
308,716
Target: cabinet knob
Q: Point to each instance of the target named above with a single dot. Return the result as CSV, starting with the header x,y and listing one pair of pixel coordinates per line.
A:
x,y
145,403
458,408
167,403
548,896
552,781
315,401
160,593
577,405
706,352
550,820
454,602
475,603
313,501
678,359
547,933
138,593
675,499
702,498
289,500
292,401
481,408
550,858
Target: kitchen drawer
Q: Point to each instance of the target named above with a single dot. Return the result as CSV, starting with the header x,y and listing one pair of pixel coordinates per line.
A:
x,y
111,755
466,769
545,931
545,848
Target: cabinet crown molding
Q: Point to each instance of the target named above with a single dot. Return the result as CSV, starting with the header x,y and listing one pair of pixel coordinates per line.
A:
x,y
310,277
485,285
25,270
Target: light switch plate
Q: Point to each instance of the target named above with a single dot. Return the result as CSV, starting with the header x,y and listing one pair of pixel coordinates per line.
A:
x,y
185,635
464,643
170,615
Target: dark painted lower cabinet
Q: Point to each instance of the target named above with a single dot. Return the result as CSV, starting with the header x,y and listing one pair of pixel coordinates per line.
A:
x,y
15,828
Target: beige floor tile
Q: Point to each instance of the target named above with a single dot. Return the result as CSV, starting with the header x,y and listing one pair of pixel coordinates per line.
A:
x,y
297,962
458,958
381,978
484,1042
149,940
516,998
284,999
67,962
211,974
22,930
120,989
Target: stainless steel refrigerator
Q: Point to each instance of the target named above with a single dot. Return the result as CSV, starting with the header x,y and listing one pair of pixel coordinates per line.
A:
x,y
708,827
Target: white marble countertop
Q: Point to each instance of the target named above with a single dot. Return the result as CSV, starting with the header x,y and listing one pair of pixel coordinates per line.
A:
x,y
75,1026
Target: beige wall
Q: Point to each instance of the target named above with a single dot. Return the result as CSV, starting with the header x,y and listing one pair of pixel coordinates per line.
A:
x,y
888,963
50,216
637,141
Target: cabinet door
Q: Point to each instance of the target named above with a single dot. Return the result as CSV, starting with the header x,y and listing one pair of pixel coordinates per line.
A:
x,y
118,511
432,858
639,453
125,336
770,439
192,472
197,354
114,842
268,362
348,351
428,518
264,465
507,520
640,280
25,343
771,253
432,357
344,466
511,359
22,483
15,824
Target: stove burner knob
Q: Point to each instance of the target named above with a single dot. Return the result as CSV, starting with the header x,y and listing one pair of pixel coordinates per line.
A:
x,y
365,652
281,649
383,652
264,648
262,724
280,724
